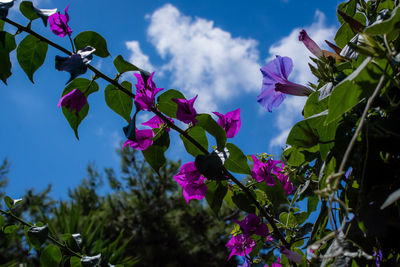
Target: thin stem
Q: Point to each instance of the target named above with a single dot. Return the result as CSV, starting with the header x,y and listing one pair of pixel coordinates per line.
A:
x,y
159,114
10,214
72,43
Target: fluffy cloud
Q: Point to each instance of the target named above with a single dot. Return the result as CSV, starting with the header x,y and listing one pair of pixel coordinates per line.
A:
x,y
204,58
289,112
138,57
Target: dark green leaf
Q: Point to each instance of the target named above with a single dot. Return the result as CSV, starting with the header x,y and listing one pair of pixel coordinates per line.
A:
x,y
2,221
154,154
320,224
260,241
296,156
91,261
51,256
2,22
287,219
348,93
216,191
166,105
118,101
9,202
38,235
26,8
210,166
82,85
31,53
93,39
237,161
243,201
312,203
276,194
198,134
7,44
206,122
301,217
385,26
123,66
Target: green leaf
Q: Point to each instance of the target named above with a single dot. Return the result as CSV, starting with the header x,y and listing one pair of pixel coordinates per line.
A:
x,y
243,201
2,22
216,191
118,101
26,8
314,105
385,26
212,127
237,161
9,202
75,262
7,44
198,134
320,224
93,39
312,203
83,85
123,66
349,92
166,105
10,229
296,156
51,256
31,53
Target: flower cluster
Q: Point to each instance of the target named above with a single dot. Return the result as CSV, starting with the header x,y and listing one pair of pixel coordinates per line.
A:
x,y
191,181
243,244
59,23
265,171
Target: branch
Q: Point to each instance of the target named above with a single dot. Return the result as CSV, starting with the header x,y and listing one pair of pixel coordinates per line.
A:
x,y
99,74
10,214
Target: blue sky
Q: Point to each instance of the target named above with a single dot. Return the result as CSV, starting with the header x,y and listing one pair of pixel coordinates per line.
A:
x,y
210,48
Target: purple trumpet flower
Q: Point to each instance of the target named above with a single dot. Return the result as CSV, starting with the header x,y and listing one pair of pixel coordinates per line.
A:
x,y
276,85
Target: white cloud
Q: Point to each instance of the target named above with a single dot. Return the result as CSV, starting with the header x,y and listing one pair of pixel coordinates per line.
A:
x,y
290,110
204,58
137,57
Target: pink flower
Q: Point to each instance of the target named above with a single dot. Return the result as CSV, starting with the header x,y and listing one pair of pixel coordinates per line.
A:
x,y
145,93
144,139
59,23
74,100
157,122
230,122
186,112
310,44
191,181
240,245
263,171
252,224
286,184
